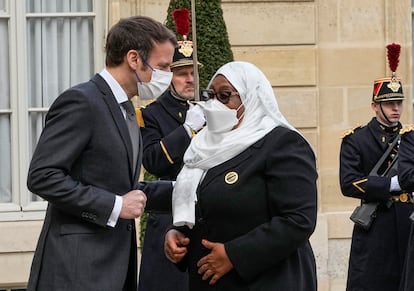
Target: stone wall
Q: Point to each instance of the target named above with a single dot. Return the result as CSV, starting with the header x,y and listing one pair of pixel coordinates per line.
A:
x,y
321,57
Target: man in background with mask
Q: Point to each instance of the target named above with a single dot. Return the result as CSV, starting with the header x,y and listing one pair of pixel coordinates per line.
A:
x,y
87,162
167,126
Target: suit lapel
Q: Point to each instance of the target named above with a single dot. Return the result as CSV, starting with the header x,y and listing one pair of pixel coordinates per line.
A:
x,y
119,120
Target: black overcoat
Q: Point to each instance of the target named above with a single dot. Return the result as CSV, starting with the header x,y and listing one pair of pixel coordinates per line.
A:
x,y
372,266
264,215
406,178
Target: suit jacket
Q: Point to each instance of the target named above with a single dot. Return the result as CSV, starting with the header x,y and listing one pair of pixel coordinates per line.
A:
x,y
262,205
82,160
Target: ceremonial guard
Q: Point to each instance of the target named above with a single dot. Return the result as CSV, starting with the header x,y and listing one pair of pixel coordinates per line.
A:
x,y
368,172
167,126
406,178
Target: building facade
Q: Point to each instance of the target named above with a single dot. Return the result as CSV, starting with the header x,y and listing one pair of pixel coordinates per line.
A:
x,y
321,57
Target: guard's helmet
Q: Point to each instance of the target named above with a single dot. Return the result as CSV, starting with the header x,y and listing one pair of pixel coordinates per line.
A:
x,y
389,88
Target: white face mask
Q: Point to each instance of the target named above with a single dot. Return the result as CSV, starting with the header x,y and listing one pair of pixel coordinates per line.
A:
x,y
160,81
219,117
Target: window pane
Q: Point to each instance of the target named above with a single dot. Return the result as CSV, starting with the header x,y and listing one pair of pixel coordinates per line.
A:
x,y
36,122
5,137
48,6
3,6
5,157
60,54
4,66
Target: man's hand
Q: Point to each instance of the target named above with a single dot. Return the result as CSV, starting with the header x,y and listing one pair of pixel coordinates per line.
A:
x,y
175,245
216,264
133,204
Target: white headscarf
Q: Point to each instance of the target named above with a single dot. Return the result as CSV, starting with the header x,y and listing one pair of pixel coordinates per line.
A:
x,y
207,149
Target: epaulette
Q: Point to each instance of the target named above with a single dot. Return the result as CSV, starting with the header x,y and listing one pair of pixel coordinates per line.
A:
x,y
350,131
149,103
140,119
406,129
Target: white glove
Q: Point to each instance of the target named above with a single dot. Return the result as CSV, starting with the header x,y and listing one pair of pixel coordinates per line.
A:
x,y
195,117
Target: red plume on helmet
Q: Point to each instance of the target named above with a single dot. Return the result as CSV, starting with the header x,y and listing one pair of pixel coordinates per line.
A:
x,y
393,55
389,88
183,55
182,21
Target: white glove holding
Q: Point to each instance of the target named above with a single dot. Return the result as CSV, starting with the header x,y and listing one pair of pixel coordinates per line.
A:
x,y
195,117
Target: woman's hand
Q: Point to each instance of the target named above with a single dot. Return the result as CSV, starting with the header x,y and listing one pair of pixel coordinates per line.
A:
x,y
216,264
175,245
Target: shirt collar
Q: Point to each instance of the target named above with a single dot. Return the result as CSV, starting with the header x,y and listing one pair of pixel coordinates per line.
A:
x,y
116,89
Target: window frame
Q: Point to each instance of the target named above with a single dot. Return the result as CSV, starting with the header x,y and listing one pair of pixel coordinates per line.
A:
x,y
21,207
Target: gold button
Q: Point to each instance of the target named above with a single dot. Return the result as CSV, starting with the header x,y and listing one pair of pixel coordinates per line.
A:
x,y
403,197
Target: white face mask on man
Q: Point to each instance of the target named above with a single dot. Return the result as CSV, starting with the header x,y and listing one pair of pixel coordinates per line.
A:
x,y
159,83
219,117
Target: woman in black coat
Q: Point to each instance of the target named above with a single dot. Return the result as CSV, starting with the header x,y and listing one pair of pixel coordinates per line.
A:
x,y
245,202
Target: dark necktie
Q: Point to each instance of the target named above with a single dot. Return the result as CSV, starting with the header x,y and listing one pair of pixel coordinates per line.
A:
x,y
132,124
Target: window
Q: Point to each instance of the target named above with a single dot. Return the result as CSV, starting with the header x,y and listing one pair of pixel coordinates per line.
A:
x,y
5,112
50,45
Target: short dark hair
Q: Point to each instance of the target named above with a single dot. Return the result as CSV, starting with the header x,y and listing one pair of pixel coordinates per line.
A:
x,y
135,33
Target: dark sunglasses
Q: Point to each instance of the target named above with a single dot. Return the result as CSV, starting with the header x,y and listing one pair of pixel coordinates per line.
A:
x,y
222,96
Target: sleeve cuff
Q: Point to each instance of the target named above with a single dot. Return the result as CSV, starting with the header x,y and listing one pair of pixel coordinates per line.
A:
x,y
113,219
189,130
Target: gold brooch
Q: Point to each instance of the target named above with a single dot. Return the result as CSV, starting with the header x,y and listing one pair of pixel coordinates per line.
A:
x,y
231,178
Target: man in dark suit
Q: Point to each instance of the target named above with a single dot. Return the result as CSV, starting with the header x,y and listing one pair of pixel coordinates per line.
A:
x,y
167,126
87,162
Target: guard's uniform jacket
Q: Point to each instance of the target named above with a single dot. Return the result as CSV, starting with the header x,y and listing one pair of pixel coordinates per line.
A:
x,y
406,178
165,141
377,255
165,138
